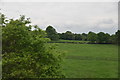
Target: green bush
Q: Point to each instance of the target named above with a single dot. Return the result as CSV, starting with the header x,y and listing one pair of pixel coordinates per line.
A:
x,y
25,54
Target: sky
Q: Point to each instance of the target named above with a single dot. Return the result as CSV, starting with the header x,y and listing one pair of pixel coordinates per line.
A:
x,y
77,17
59,0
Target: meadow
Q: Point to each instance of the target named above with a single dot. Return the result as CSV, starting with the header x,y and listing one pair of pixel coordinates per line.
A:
x,y
70,41
89,60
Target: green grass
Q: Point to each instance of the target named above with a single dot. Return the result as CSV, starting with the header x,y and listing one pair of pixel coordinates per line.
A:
x,y
69,41
90,60
72,41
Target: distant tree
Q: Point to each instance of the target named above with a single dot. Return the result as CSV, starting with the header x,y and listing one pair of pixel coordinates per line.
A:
x,y
92,37
101,37
51,33
69,35
78,36
118,37
84,36
59,35
62,35
107,38
113,39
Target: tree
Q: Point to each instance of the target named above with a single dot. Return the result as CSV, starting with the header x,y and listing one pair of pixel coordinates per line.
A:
x,y
2,20
78,36
92,37
101,37
15,36
84,36
118,37
51,33
25,54
60,35
113,39
69,35
107,38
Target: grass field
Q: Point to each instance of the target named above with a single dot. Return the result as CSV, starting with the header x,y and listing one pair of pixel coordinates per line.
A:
x,y
70,41
90,60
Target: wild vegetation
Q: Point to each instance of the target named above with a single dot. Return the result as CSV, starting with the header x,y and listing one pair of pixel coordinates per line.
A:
x,y
24,51
28,52
92,37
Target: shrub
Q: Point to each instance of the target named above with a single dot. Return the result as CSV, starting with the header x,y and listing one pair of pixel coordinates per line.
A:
x,y
25,54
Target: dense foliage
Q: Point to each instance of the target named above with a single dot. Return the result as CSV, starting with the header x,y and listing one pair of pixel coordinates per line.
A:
x,y
117,34
51,33
92,37
25,53
100,37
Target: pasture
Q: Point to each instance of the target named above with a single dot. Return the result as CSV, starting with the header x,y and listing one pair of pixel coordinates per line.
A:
x,y
89,60
70,41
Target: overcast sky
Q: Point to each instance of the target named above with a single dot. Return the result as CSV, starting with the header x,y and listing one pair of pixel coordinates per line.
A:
x,y
77,17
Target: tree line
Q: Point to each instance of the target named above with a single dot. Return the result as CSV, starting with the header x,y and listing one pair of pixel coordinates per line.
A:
x,y
93,37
